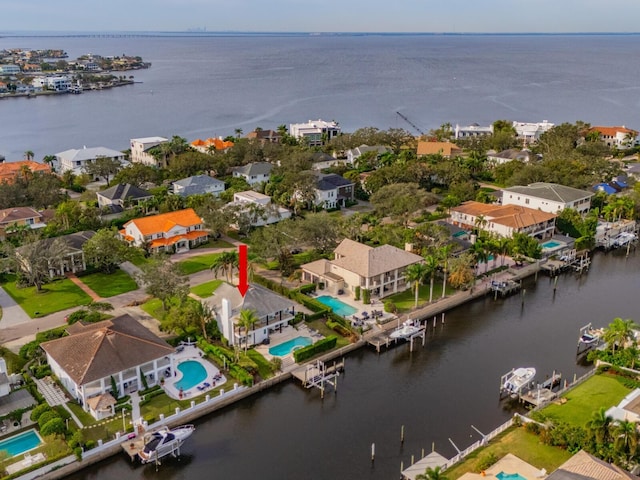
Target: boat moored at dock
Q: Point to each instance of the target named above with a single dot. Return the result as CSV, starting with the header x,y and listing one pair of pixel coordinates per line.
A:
x,y
514,381
163,442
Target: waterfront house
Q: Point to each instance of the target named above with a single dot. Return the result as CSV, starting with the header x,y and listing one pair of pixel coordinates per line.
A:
x,y
9,69
471,131
10,171
380,269
315,133
76,160
354,154
255,209
273,311
446,149
509,155
140,150
548,197
531,132
628,409
254,173
11,219
122,196
584,466
504,220
264,136
198,185
333,191
95,356
171,232
72,259
321,160
621,137
212,145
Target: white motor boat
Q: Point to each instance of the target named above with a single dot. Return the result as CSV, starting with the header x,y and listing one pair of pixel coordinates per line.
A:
x,y
163,442
406,330
518,379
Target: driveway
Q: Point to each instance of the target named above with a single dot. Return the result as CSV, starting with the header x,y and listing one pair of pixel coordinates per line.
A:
x,y
12,313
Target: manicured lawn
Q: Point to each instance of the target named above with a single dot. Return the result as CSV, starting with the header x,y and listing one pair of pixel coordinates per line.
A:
x,y
154,308
55,296
264,367
139,260
107,431
405,301
206,289
520,443
598,391
85,417
110,285
325,331
217,243
198,263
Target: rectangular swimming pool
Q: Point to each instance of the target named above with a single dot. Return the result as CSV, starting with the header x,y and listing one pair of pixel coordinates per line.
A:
x,y
289,346
21,443
550,244
337,306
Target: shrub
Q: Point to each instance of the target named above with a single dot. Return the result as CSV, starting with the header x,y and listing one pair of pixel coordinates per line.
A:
x,y
39,410
320,346
338,328
77,451
357,292
390,307
90,444
366,296
40,371
55,426
46,417
486,461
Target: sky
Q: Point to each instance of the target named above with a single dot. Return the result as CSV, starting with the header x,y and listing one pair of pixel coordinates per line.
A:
x,y
458,16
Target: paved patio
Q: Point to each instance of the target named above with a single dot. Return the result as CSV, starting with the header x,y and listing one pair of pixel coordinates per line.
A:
x,y
508,466
363,315
214,376
288,333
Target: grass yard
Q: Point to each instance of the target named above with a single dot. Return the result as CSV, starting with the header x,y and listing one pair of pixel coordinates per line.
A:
x,y
217,243
198,263
206,289
154,308
55,296
325,331
85,417
110,285
264,366
405,301
520,443
598,391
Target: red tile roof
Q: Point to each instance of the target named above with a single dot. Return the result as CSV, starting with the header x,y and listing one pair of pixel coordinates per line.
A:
x,y
9,171
612,131
166,221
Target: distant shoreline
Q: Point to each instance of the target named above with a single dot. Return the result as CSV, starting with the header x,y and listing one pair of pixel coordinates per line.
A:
x,y
44,34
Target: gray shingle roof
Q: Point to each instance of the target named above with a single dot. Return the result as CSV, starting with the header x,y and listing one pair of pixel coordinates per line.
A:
x,y
551,191
198,184
88,153
368,262
124,191
259,168
99,350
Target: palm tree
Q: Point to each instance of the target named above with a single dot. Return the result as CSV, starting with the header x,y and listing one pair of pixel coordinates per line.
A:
x,y
618,332
247,320
416,273
503,248
238,132
431,474
599,427
431,264
479,251
204,315
28,155
444,253
480,222
626,438
225,262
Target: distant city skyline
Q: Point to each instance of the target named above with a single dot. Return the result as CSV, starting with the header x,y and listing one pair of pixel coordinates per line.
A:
x,y
405,16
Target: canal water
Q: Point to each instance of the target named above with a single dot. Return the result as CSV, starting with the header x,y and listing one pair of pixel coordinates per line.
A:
x,y
436,392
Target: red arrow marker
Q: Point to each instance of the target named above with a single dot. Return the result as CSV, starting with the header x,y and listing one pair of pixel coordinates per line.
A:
x,y
243,284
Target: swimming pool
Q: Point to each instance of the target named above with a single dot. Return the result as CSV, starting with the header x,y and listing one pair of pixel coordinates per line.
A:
x,y
21,443
290,345
550,244
193,373
509,476
337,306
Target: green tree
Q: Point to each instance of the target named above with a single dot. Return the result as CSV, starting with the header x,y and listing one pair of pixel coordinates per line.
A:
x,y
318,230
599,426
247,320
401,200
36,259
28,155
106,250
416,274
103,167
225,262
619,332
432,474
626,439
162,279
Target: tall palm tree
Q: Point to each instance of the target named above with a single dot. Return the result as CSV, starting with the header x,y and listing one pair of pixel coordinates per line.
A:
x,y
443,254
479,250
225,262
416,274
431,264
28,155
503,248
600,425
626,438
247,320
618,332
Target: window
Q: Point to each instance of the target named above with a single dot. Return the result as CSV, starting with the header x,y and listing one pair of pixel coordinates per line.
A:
x,y
526,201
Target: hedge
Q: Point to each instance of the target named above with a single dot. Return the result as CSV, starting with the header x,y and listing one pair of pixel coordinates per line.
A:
x,y
235,370
338,328
312,350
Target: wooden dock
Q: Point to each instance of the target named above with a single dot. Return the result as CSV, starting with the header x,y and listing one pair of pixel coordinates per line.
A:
x,y
383,339
504,288
319,375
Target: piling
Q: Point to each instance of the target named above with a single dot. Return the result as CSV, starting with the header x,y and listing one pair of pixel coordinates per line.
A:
x,y
373,452
402,434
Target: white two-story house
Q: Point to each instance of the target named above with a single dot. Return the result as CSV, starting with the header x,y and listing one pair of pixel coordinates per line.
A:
x,y
171,232
140,150
548,197
254,173
315,132
76,160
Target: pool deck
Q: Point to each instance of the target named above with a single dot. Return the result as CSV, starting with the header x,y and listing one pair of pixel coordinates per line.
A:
x,y
192,352
361,308
288,333
509,464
